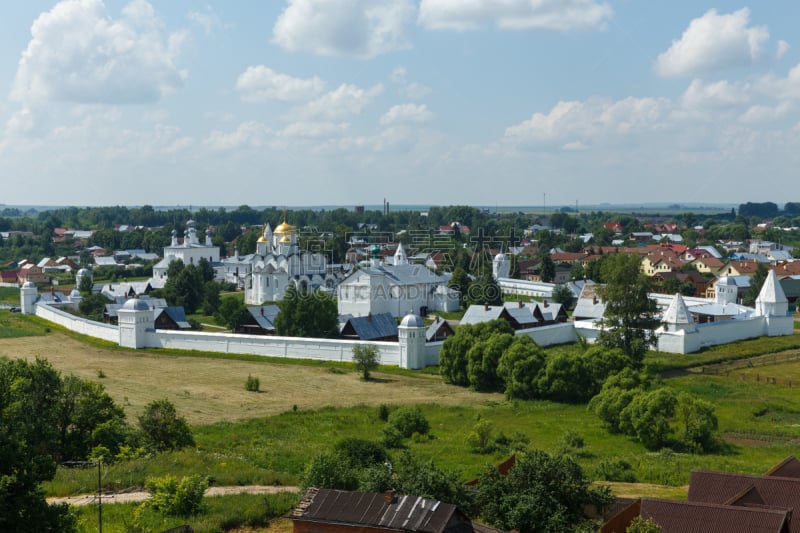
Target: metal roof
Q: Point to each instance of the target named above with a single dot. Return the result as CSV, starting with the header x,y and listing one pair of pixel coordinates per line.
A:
x,y
693,517
371,327
370,509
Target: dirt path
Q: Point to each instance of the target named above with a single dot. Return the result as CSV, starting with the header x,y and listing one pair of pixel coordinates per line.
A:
x,y
140,496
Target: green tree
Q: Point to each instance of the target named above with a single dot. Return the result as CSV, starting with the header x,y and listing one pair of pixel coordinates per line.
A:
x,y
176,498
484,290
648,417
231,313
563,295
643,525
697,421
482,360
85,286
163,428
408,420
211,299
541,493
756,282
630,316
307,315
453,359
366,358
519,367
93,306
548,269
29,396
459,281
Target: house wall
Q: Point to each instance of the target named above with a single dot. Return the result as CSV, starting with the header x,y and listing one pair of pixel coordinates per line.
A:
x,y
80,325
525,288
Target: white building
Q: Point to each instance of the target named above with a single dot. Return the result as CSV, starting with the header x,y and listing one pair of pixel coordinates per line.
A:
x,y
397,289
190,252
277,263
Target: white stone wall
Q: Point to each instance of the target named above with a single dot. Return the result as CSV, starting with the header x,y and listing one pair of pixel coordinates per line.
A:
x,y
80,325
290,347
523,287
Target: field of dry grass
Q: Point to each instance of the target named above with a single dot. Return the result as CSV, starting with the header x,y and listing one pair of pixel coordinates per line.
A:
x,y
207,390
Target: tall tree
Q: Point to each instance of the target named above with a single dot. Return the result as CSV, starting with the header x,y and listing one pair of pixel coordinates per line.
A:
x,y
311,314
631,316
756,282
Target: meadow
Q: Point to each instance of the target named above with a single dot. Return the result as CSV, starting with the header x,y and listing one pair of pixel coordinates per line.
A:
x,y
268,437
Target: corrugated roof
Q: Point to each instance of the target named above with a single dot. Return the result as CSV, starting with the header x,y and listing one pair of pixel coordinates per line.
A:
x,y
789,467
370,509
694,517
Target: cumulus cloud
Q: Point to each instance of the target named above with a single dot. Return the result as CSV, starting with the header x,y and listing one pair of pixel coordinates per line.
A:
x,y
408,89
781,49
577,123
260,84
360,28
247,134
716,94
314,129
514,14
206,19
712,42
346,100
78,53
406,113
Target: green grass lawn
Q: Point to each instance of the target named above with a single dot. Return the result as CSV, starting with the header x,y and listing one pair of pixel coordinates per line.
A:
x,y
661,361
222,513
9,295
19,325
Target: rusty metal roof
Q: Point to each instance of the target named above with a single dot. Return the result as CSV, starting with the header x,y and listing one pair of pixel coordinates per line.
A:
x,y
403,513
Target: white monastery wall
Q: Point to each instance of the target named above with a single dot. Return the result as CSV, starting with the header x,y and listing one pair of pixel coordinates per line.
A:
x,y
80,325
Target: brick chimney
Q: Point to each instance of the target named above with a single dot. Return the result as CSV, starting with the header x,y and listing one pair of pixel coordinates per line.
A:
x,y
486,307
389,497
369,317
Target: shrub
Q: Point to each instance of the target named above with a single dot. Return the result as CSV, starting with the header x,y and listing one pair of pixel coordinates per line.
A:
x,y
571,440
615,470
176,498
329,471
383,412
408,420
480,439
366,358
360,453
163,429
253,384
392,438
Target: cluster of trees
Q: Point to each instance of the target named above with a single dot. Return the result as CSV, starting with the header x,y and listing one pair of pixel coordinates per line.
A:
x,y
192,286
489,357
46,419
635,404
541,493
307,314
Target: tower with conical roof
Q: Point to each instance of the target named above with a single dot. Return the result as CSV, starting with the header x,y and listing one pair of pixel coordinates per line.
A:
x,y
772,300
400,257
677,316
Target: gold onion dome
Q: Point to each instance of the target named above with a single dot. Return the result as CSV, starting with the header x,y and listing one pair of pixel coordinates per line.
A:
x,y
285,239
284,228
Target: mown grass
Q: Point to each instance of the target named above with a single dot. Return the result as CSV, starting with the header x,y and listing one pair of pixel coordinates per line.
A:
x,y
221,513
18,325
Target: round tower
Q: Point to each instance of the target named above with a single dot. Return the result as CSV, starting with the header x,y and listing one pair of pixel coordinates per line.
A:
x,y
135,318
411,335
501,267
27,298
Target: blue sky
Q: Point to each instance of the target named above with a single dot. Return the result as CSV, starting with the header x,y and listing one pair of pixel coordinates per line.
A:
x,y
344,102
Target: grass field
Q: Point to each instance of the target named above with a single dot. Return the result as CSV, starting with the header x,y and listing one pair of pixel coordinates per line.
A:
x,y
303,409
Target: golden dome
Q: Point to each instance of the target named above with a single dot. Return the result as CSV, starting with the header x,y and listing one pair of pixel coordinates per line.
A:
x,y
286,239
284,228
262,239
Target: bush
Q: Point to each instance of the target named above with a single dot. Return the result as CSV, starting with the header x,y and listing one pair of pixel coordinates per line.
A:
x,y
163,429
409,420
176,498
253,384
360,453
383,412
615,470
392,438
366,358
480,439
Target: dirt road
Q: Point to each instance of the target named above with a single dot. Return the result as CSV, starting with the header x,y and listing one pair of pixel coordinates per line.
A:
x,y
140,496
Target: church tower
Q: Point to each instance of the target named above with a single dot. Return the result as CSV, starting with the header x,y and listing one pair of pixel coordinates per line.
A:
x,y
677,317
400,257
27,296
135,319
501,266
772,300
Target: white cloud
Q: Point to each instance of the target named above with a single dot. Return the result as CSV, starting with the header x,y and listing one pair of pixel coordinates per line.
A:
x,y
407,113
79,54
407,89
781,49
592,121
360,28
344,101
314,129
514,14
763,113
260,84
787,88
716,94
206,19
21,122
247,134
713,42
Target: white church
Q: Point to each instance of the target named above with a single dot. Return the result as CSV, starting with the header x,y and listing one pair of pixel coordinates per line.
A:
x,y
399,289
190,252
278,262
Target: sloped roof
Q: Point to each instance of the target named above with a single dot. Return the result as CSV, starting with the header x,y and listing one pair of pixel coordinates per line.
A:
x,y
729,488
264,315
475,314
177,314
370,509
693,517
677,312
371,327
789,467
437,325
771,291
